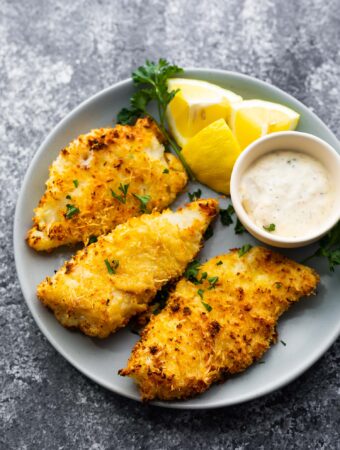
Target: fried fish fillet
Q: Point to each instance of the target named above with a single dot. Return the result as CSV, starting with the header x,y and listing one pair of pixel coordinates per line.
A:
x,y
219,327
109,281
85,190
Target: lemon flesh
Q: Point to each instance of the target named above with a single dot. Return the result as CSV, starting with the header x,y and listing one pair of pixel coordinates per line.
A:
x,y
251,119
211,155
195,106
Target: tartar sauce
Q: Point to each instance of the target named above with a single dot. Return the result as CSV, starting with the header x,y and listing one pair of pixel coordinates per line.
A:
x,y
288,189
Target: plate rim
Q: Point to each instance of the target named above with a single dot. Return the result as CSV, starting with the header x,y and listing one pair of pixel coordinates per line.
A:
x,y
40,323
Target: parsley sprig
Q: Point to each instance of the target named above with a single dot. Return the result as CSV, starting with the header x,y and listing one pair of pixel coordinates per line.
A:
x,y
152,81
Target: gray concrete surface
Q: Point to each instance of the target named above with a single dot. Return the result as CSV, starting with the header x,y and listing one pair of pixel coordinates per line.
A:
x,y
55,54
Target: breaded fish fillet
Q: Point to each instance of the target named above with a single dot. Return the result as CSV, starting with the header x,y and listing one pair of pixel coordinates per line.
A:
x,y
109,281
85,192
218,327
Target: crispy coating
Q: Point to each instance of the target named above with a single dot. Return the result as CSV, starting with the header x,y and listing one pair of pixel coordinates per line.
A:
x,y
108,282
86,171
186,348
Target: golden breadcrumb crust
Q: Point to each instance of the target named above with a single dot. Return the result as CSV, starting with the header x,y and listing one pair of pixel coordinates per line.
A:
x,y
186,347
108,282
86,171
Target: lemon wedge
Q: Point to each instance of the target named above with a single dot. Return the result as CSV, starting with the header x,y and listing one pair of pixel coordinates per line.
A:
x,y
211,155
196,105
251,119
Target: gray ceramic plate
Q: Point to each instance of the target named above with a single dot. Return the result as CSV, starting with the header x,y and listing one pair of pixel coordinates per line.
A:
x,y
308,329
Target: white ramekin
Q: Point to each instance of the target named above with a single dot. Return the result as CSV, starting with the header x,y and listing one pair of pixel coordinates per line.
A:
x,y
286,140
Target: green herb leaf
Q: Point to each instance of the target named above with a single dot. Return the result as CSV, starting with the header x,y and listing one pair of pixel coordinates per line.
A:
x,y
192,270
92,240
141,99
270,227
200,292
239,228
71,211
155,73
68,197
166,171
212,281
209,232
283,342
207,306
225,215
278,285
128,116
195,195
144,200
76,183
244,249
124,190
111,268
152,81
330,248
108,266
219,263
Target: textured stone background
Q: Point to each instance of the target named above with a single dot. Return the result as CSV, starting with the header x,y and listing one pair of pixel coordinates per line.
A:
x,y
55,54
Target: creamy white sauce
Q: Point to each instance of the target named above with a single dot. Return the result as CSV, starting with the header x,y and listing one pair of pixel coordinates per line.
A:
x,y
289,189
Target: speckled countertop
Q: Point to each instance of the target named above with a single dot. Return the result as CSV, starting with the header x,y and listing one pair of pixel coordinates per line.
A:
x,y
55,54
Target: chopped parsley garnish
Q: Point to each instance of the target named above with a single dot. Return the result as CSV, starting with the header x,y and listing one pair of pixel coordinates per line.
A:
x,y
283,342
151,79
329,247
207,306
76,183
71,211
192,270
144,200
219,263
225,215
200,292
208,233
191,274
239,228
244,249
111,268
261,362
278,285
195,195
166,171
270,227
124,190
212,281
68,197
92,240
